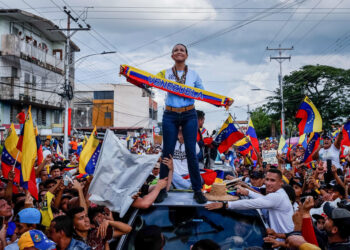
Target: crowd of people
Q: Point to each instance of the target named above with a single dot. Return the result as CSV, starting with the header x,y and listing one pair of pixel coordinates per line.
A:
x,y
303,205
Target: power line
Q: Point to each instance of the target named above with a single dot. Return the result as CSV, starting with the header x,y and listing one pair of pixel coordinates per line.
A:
x,y
222,31
27,87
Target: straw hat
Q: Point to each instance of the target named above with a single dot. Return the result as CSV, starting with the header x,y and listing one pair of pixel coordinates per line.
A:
x,y
218,193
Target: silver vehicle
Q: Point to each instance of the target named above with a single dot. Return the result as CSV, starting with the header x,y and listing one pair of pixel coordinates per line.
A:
x,y
184,222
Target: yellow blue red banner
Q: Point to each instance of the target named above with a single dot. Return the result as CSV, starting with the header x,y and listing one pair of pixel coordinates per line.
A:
x,y
143,79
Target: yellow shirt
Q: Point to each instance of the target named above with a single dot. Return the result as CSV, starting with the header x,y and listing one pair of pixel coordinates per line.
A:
x,y
46,212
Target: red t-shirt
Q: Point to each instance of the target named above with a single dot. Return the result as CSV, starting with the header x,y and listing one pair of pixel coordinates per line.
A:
x,y
21,117
74,145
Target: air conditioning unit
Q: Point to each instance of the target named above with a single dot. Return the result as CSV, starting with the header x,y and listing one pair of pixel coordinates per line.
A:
x,y
33,98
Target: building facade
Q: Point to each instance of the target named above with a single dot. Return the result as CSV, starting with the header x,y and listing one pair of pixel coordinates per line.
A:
x,y
115,106
32,70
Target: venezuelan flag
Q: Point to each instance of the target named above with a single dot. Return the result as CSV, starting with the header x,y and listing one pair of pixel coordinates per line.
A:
x,y
228,135
282,146
29,147
346,137
89,155
311,120
243,146
303,141
10,157
335,133
219,176
314,141
39,147
252,135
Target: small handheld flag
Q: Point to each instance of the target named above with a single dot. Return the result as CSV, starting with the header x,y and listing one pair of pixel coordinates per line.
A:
x,y
311,120
228,135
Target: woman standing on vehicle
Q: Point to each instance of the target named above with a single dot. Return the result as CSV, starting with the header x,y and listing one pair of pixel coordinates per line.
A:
x,y
180,111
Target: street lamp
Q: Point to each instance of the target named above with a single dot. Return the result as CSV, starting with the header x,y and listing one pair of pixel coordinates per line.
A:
x,y
263,90
95,54
65,144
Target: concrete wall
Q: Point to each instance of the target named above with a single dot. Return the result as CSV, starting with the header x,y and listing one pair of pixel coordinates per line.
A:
x,y
131,108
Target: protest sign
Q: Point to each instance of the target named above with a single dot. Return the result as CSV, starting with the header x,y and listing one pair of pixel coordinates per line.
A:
x,y
269,156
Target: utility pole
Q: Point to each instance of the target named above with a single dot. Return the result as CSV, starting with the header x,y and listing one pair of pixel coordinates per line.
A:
x,y
248,113
68,90
280,59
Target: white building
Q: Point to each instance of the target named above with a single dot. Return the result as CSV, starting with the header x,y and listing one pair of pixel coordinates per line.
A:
x,y
32,70
116,106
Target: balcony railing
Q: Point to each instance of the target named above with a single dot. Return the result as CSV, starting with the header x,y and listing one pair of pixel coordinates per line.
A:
x,y
13,45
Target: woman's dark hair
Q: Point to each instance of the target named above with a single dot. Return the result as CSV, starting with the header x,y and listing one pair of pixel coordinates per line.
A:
x,y
290,192
64,223
200,114
181,45
206,244
149,237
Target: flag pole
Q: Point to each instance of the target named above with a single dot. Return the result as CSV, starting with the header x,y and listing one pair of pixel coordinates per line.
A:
x,y
13,167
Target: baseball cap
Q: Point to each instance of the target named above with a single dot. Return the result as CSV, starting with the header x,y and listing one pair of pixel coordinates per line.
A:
x,y
37,239
293,182
256,175
340,216
318,216
29,216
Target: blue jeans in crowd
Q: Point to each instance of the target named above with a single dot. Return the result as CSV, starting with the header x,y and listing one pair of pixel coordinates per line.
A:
x,y
189,123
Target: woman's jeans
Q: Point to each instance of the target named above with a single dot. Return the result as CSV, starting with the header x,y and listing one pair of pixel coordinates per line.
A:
x,y
189,123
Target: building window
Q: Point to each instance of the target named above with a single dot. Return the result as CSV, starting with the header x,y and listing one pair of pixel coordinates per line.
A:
x,y
41,117
43,82
102,95
108,115
27,78
56,116
57,53
33,79
14,72
13,113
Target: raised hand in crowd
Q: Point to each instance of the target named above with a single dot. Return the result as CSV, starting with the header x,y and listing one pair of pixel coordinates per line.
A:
x,y
274,243
29,201
241,190
295,241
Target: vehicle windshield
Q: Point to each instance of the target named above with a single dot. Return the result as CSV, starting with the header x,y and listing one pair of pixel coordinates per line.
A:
x,y
183,226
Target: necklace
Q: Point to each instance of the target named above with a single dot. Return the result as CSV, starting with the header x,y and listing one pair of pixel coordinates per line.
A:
x,y
181,80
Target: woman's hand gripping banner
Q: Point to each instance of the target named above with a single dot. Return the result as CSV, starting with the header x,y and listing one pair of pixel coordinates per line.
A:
x,y
144,79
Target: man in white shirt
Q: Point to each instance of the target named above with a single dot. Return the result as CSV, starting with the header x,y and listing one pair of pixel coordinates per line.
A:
x,y
180,164
279,209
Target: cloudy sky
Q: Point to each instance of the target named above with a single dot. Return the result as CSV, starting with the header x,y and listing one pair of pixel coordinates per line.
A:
x,y
227,41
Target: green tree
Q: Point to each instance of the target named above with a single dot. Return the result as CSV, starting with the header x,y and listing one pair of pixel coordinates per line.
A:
x,y
326,86
262,122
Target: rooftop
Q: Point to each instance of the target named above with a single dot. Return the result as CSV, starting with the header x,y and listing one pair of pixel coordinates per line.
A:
x,y
38,22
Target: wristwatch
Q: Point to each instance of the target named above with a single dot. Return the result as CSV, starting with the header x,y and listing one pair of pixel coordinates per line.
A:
x,y
224,204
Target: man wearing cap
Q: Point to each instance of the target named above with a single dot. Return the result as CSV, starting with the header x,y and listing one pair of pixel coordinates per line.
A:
x,y
276,206
35,239
28,219
329,150
337,227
